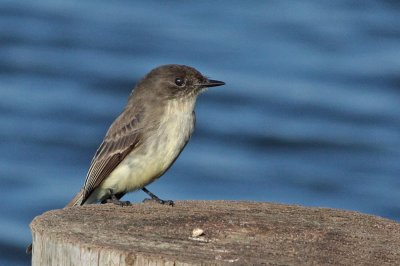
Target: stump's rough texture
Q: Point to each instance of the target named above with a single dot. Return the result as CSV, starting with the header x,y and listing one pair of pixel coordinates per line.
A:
x,y
239,233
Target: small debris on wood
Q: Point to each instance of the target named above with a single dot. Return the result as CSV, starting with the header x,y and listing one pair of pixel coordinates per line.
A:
x,y
197,232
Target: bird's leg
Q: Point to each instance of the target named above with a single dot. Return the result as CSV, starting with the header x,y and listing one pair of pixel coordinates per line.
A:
x,y
114,198
155,198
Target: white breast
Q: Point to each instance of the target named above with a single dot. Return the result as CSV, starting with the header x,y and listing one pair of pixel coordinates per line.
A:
x,y
142,166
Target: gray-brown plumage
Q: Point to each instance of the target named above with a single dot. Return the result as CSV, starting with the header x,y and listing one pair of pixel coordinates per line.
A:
x,y
149,134
147,137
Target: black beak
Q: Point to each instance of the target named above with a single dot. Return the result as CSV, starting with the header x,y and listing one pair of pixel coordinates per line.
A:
x,y
213,83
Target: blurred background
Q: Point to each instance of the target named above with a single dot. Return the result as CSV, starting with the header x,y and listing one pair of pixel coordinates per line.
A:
x,y
310,113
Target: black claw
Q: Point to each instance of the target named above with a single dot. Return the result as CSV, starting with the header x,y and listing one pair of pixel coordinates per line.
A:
x,y
157,199
167,202
160,201
116,201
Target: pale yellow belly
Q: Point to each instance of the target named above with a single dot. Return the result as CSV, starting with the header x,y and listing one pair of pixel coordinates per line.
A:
x,y
142,166
137,171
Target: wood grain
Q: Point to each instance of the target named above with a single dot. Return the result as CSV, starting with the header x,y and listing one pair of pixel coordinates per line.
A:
x,y
235,233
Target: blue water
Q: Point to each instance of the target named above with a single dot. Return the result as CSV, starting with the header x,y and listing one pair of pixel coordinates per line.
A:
x,y
309,115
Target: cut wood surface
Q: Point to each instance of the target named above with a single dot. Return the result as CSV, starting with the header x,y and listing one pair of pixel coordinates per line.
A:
x,y
235,233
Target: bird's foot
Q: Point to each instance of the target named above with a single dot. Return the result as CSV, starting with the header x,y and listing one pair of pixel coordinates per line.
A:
x,y
116,201
156,199
160,201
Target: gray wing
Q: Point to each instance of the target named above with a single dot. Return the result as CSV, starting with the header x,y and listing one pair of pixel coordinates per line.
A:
x,y
117,144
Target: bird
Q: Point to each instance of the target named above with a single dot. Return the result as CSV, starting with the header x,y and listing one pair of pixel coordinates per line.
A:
x,y
147,137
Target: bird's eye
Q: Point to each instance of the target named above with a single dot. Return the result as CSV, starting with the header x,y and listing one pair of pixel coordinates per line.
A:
x,y
179,82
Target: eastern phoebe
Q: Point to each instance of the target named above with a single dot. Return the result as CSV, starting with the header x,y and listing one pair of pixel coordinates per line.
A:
x,y
147,137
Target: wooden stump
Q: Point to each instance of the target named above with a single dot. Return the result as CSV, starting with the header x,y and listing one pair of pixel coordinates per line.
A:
x,y
239,233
